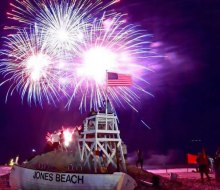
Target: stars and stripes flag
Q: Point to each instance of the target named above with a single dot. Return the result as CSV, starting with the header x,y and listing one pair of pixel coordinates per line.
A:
x,y
117,79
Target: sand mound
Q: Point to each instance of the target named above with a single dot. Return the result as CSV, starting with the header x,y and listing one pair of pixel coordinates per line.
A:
x,y
55,161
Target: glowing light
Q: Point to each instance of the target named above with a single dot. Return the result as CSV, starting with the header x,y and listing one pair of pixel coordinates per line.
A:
x,y
37,65
123,56
68,134
107,24
80,36
11,162
62,35
96,61
63,81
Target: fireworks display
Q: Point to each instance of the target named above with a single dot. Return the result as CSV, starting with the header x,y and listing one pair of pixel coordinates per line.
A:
x,y
29,67
62,22
65,49
112,45
64,136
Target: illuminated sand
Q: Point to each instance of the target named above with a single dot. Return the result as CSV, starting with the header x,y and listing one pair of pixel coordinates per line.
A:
x,y
185,180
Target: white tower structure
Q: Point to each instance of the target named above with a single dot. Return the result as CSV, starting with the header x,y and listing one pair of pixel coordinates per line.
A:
x,y
100,145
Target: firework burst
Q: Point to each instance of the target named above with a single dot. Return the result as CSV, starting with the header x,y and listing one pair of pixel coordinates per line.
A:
x,y
62,22
110,44
29,67
67,51
66,133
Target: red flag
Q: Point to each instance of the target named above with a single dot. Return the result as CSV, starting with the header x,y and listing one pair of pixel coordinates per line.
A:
x,y
116,79
191,159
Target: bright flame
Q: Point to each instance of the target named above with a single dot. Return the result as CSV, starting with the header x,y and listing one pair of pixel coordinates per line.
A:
x,y
11,162
67,137
96,61
37,65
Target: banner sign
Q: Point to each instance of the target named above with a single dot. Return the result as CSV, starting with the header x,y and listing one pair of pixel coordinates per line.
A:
x,y
59,177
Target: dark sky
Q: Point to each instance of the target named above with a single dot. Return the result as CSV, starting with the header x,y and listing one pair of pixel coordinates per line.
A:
x,y
185,84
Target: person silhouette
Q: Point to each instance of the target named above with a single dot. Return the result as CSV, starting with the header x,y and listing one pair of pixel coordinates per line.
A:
x,y
140,158
203,163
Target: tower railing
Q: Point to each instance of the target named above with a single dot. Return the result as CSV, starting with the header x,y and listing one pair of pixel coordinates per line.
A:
x,y
100,145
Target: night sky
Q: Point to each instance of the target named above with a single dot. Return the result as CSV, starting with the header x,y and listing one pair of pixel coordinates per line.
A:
x,y
185,83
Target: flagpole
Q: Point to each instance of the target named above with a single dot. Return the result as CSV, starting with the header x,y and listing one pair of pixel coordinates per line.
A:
x,y
106,99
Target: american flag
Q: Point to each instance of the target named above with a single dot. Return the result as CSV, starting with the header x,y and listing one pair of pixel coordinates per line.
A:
x,y
116,79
